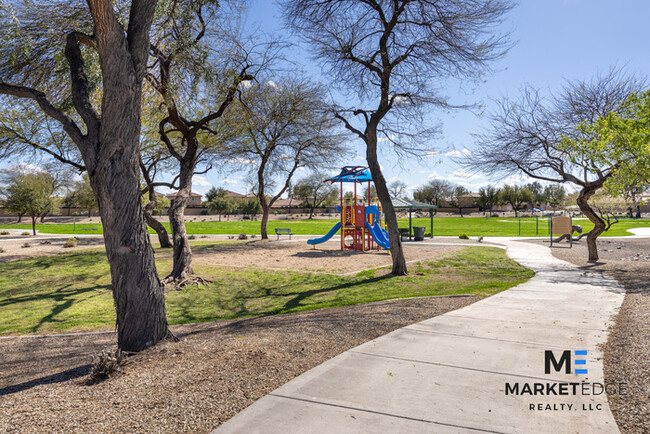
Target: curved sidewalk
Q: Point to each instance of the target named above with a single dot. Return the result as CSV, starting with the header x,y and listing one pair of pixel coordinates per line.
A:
x,y
449,373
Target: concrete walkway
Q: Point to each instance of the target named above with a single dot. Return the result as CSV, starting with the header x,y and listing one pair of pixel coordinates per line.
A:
x,y
449,373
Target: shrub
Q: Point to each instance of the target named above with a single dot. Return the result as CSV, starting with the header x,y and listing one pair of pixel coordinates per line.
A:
x,y
243,236
4,233
2,250
155,211
107,364
427,234
25,245
463,237
253,236
46,242
71,242
204,212
191,237
25,234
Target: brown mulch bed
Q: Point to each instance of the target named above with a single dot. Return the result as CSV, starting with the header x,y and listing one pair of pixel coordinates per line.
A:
x,y
627,351
195,385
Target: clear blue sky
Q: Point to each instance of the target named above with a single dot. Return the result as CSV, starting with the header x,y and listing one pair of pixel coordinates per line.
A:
x,y
555,40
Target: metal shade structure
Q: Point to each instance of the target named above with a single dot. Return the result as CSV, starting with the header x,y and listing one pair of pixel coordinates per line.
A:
x,y
413,205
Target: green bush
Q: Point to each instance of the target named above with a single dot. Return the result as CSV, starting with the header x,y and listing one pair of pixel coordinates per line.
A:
x,y
4,233
204,212
2,250
71,242
463,237
25,234
155,211
191,237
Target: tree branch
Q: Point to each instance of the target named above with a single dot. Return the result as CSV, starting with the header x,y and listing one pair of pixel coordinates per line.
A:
x,y
68,124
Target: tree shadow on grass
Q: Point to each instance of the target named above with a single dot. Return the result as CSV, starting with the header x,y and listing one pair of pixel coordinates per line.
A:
x,y
297,297
63,298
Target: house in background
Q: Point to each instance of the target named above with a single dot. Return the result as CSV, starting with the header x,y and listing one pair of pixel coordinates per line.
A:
x,y
195,198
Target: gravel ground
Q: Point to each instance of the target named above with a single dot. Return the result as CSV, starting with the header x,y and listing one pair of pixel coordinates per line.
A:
x,y
627,351
194,385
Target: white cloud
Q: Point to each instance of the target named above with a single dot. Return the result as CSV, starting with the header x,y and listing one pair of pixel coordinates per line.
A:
x,y
239,160
385,139
228,181
200,181
459,154
432,153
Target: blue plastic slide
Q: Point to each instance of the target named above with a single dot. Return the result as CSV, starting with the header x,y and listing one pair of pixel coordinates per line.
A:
x,y
327,236
379,235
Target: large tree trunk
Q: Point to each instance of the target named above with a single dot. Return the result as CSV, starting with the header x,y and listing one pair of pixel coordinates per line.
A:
x,y
599,224
265,219
182,267
163,236
137,293
115,178
396,251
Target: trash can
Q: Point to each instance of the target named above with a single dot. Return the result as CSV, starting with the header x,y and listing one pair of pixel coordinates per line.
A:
x,y
418,233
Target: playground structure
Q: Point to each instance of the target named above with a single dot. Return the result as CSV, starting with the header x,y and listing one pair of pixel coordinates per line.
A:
x,y
362,223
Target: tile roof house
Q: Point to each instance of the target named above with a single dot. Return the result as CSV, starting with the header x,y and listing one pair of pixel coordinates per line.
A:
x,y
195,198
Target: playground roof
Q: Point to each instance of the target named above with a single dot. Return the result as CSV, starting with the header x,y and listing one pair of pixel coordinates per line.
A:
x,y
410,204
351,174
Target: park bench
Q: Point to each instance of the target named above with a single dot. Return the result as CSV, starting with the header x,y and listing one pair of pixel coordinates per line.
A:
x,y
283,231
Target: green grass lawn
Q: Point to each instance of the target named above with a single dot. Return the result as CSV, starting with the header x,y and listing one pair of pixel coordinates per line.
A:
x,y
445,226
72,291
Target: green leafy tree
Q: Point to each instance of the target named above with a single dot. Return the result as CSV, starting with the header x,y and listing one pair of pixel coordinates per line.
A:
x,y
221,204
251,206
488,197
215,192
554,194
83,65
30,194
83,196
538,192
516,196
591,134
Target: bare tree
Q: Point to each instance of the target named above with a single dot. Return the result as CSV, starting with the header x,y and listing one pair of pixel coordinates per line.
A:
x,y
106,134
389,54
398,189
314,191
434,192
200,60
539,137
285,126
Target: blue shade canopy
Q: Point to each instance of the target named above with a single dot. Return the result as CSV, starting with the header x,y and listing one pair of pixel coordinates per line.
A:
x,y
352,174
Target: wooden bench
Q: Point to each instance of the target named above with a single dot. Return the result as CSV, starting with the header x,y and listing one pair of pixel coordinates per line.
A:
x,y
283,231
